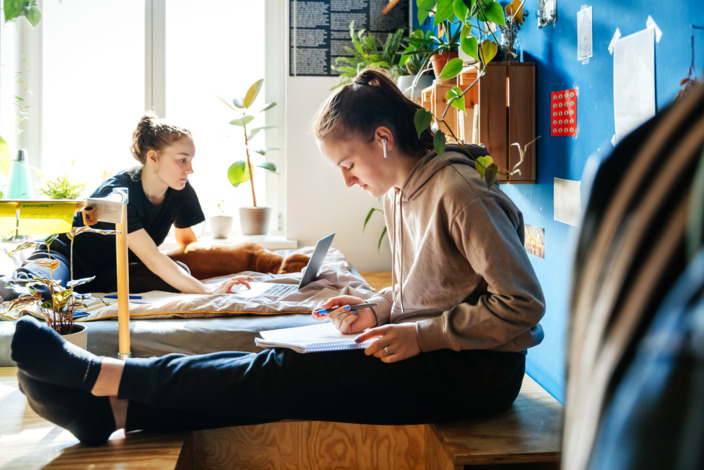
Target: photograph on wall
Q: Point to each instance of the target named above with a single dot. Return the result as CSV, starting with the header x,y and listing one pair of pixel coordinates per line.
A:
x,y
535,240
320,30
547,12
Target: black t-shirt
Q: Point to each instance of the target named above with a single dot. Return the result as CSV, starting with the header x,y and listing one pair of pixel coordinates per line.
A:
x,y
94,253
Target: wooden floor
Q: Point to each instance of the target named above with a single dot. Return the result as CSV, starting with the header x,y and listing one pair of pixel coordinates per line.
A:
x,y
30,442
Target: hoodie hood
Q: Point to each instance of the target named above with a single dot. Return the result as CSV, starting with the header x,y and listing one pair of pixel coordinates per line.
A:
x,y
430,164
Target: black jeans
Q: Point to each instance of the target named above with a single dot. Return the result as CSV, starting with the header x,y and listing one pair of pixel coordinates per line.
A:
x,y
141,279
235,388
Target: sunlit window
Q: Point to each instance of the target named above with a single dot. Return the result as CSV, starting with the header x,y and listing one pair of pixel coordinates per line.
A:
x,y
96,77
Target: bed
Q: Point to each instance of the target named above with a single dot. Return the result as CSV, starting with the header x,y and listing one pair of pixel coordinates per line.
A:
x,y
162,323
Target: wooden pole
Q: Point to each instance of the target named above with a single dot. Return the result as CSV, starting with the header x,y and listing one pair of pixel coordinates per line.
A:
x,y
123,288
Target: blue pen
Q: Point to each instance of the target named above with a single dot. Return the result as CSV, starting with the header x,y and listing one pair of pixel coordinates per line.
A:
x,y
323,312
113,296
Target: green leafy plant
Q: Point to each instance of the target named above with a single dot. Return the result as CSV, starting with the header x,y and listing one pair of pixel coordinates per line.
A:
x,y
27,8
369,52
63,187
58,311
475,21
415,56
242,170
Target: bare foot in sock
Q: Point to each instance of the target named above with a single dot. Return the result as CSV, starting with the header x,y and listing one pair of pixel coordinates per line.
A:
x,y
87,417
43,354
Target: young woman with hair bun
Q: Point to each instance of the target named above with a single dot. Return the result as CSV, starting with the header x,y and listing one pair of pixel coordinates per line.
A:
x,y
159,197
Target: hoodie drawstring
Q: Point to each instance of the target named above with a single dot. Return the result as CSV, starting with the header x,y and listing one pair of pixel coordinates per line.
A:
x,y
396,234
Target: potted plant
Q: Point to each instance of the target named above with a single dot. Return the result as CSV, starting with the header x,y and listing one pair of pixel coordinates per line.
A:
x,y
58,311
220,223
368,51
254,220
476,27
62,187
414,59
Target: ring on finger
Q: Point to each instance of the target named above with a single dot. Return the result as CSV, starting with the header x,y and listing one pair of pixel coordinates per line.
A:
x,y
386,350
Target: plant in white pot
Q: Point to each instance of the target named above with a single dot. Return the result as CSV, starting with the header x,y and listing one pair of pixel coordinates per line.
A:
x,y
254,220
221,222
58,311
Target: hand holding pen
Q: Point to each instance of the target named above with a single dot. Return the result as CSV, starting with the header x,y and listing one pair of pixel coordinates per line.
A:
x,y
347,313
322,313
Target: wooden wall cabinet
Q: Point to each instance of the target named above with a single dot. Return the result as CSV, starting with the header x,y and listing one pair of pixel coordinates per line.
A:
x,y
505,97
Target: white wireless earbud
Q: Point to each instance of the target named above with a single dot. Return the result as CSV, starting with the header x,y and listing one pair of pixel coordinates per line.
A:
x,y
383,145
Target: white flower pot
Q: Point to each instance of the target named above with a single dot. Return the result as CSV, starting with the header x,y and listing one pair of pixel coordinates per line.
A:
x,y
220,226
254,220
79,337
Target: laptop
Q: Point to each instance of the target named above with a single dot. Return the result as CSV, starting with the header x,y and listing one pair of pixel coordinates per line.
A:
x,y
272,289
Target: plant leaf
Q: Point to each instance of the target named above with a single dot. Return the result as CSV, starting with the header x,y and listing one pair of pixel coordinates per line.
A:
x,y
443,11
257,86
493,11
23,246
268,106
5,157
227,104
515,10
381,238
439,142
424,8
267,166
47,263
452,68
470,47
33,15
490,175
238,173
243,121
488,51
79,282
422,120
455,99
460,9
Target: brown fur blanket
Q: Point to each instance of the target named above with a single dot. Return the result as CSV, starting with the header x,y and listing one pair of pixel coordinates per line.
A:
x,y
206,261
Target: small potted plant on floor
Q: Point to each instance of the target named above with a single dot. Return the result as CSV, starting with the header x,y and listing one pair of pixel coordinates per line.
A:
x,y
254,220
58,311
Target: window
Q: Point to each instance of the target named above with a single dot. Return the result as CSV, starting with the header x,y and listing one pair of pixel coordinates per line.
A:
x,y
93,67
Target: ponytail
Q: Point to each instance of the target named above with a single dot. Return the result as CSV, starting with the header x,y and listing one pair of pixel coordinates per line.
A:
x,y
369,101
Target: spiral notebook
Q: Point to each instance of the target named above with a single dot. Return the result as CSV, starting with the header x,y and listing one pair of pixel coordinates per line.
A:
x,y
311,338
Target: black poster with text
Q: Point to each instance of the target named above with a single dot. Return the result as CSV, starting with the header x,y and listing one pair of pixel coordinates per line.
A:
x,y
319,30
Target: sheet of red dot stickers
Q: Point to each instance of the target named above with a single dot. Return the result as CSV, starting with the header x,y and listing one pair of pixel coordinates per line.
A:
x,y
564,112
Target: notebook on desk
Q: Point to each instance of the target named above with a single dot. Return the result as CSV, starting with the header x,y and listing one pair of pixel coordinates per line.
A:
x,y
272,289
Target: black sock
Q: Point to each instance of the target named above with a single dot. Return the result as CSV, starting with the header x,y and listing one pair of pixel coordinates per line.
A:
x,y
86,416
43,354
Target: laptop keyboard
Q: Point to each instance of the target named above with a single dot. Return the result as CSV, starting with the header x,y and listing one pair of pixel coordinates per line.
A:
x,y
281,289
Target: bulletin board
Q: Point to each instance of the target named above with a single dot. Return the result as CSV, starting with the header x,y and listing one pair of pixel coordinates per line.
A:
x,y
319,30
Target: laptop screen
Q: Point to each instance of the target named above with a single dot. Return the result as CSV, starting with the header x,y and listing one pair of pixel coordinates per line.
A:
x,y
316,260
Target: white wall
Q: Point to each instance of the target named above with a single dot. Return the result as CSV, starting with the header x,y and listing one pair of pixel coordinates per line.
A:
x,y
317,200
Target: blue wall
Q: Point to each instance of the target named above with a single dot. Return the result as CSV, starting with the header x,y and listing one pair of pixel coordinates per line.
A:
x,y
554,49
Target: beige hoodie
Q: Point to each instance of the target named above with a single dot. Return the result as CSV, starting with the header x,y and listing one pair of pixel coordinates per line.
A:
x,y
459,267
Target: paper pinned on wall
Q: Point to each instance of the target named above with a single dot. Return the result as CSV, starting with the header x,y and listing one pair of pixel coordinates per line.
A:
x,y
8,218
634,81
567,201
39,218
650,24
584,34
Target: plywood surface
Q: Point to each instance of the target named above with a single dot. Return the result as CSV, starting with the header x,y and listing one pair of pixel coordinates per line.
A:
x,y
27,441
